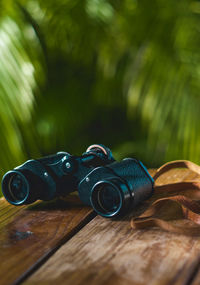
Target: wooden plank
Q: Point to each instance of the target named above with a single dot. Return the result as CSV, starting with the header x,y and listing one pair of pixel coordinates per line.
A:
x,y
110,252
28,235
196,278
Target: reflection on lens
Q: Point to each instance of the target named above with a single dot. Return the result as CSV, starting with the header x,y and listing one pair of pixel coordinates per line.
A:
x,y
17,188
108,198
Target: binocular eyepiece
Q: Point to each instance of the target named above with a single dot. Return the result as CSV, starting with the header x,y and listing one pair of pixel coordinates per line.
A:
x,y
111,188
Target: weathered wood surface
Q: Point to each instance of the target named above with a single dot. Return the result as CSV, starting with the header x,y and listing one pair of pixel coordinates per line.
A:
x,y
110,252
28,235
196,277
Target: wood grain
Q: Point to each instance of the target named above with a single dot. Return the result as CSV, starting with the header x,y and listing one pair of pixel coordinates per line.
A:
x,y
195,280
110,252
28,235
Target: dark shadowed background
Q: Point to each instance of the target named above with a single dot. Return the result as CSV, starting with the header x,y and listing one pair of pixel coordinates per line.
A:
x,y
124,73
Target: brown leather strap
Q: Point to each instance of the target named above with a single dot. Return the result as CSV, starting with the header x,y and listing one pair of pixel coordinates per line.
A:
x,y
187,206
176,164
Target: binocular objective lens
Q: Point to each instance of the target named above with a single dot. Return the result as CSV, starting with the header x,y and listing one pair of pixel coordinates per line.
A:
x,y
17,188
108,198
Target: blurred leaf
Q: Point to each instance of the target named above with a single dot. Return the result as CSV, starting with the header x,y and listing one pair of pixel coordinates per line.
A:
x,y
17,87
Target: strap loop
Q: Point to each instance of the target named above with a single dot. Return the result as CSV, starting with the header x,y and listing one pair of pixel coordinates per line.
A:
x,y
176,164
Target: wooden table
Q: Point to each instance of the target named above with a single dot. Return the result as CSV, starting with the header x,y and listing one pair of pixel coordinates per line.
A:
x,y
64,242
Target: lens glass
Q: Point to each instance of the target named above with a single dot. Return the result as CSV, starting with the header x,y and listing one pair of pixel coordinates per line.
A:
x,y
108,198
18,188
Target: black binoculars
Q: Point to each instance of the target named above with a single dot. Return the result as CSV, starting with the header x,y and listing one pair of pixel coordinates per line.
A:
x,y
111,188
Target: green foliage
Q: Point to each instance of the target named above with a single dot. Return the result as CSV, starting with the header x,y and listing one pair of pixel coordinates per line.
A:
x,y
123,73
17,84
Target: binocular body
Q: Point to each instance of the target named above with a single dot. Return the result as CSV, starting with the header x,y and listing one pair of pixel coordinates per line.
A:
x,y
111,188
114,189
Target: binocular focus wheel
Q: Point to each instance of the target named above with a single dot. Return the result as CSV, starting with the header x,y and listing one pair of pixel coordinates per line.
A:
x,y
97,146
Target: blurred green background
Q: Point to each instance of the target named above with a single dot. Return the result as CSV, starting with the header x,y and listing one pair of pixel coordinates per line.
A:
x,y
125,73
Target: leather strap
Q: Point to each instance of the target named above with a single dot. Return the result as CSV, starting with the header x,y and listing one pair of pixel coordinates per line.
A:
x,y
166,212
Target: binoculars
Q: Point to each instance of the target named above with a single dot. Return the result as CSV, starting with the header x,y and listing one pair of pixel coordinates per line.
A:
x,y
112,188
